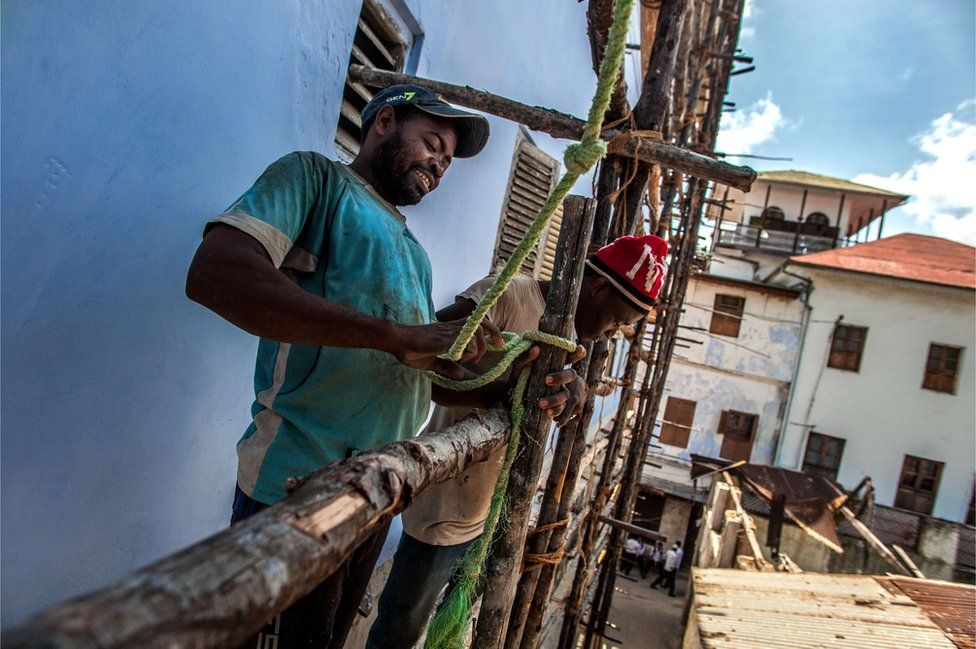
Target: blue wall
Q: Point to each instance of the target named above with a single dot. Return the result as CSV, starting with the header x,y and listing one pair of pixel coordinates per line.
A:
x,y
125,126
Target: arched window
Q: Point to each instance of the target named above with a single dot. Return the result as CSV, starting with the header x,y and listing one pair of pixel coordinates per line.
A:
x,y
773,215
818,220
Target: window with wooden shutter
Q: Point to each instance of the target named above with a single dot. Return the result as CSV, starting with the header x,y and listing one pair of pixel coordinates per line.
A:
x,y
738,430
679,414
532,177
823,455
847,347
727,315
918,484
941,368
377,44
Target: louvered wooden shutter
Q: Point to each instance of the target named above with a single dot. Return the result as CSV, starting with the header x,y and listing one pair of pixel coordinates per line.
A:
x,y
532,177
377,44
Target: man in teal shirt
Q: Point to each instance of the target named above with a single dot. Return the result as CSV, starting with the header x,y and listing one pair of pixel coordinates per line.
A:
x,y
316,260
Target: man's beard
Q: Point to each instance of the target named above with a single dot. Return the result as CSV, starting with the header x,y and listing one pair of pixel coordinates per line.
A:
x,y
393,172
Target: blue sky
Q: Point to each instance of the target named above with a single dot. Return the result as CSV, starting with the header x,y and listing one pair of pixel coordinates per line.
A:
x,y
877,92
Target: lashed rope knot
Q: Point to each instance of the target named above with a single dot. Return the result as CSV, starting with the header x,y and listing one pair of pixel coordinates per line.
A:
x,y
578,158
449,627
514,346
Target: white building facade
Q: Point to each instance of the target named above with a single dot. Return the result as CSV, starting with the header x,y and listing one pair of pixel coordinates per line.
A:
x,y
885,386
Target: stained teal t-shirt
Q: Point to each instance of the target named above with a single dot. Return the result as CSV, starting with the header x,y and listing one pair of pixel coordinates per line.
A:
x,y
328,230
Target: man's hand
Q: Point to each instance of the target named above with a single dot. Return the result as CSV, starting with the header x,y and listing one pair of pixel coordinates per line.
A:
x,y
567,402
420,346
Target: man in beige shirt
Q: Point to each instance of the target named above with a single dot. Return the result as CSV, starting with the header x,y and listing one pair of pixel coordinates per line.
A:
x,y
619,286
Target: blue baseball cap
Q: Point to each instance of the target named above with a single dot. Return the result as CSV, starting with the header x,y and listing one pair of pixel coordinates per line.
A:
x,y
472,130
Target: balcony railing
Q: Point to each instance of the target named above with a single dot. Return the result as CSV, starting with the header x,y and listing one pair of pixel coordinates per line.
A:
x,y
751,237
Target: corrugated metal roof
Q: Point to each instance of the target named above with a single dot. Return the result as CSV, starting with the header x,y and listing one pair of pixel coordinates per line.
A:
x,y
737,608
951,606
914,257
808,179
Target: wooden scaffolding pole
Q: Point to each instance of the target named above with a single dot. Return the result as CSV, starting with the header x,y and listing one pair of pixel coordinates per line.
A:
x,y
566,126
666,326
549,538
505,557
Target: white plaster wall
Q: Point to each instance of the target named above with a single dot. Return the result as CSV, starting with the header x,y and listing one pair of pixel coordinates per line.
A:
x,y
786,197
126,127
789,198
750,373
882,410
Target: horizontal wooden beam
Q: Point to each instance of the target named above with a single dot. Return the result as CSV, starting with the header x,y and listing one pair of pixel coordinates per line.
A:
x,y
633,529
221,590
562,125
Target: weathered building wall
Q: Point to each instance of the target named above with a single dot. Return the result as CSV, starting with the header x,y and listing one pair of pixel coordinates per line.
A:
x,y
128,125
750,373
882,411
935,555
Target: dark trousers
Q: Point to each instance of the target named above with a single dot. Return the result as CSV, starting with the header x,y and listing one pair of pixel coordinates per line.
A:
x,y
627,563
322,619
667,577
645,566
418,575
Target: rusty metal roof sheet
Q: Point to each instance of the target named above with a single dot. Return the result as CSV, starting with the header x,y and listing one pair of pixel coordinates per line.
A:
x,y
810,500
737,608
950,606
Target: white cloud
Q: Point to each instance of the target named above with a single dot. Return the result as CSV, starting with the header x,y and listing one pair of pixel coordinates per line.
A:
x,y
943,183
744,130
748,30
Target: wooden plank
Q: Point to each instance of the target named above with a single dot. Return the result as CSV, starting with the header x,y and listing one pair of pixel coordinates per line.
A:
x,y
874,541
349,112
907,560
377,43
747,524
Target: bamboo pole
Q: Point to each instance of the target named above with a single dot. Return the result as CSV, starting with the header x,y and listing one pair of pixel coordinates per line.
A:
x,y
505,558
561,125
218,592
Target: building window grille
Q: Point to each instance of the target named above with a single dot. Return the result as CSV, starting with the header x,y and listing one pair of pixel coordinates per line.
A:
x,y
377,44
679,414
818,220
773,215
727,315
823,455
532,177
941,368
919,484
847,347
738,430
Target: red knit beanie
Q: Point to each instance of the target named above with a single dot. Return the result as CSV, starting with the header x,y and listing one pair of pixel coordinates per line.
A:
x,y
635,266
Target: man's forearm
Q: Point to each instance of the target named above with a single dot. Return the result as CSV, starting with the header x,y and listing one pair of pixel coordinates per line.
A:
x,y
242,286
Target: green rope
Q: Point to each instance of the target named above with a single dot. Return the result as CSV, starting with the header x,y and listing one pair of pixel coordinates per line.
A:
x,y
578,159
449,627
